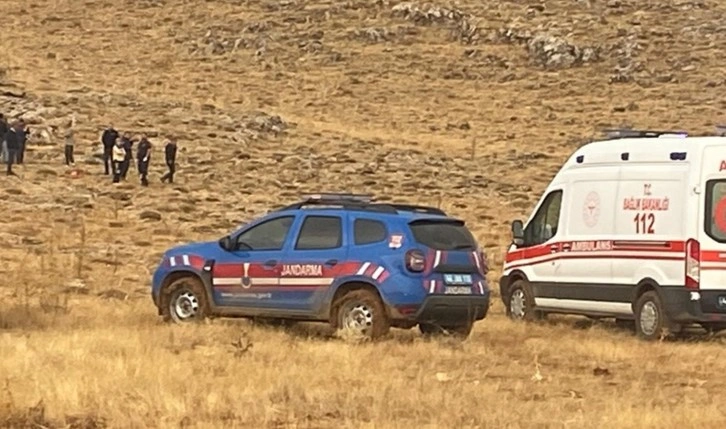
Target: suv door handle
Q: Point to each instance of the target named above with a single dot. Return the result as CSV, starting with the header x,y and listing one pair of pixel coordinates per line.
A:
x,y
331,262
271,263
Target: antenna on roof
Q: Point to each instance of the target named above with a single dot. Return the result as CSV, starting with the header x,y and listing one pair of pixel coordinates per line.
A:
x,y
620,133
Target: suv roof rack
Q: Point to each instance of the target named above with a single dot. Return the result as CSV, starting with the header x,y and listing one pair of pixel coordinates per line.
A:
x,y
358,202
621,133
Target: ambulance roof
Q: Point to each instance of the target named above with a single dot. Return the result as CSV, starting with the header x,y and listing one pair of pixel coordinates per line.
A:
x,y
664,148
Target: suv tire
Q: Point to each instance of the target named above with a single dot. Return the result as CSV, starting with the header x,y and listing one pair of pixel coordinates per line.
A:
x,y
520,302
361,312
184,300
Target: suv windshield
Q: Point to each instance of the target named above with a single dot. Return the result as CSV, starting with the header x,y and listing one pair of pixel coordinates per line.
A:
x,y
715,222
443,235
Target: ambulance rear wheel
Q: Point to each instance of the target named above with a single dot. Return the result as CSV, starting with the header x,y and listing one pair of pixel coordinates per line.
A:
x,y
520,302
651,322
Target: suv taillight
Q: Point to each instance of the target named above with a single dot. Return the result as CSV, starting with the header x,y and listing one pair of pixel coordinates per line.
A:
x,y
415,260
693,264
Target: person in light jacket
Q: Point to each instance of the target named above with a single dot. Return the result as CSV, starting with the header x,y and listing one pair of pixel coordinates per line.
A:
x,y
118,156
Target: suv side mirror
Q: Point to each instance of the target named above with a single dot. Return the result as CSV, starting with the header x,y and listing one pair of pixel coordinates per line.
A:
x,y
226,243
518,232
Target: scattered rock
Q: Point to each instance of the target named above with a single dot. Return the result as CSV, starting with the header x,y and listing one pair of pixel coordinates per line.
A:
x,y
463,27
113,294
150,215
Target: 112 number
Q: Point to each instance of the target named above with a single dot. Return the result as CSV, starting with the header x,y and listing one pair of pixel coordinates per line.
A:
x,y
644,223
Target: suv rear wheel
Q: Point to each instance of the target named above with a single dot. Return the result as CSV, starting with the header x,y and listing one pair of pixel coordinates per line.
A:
x,y
361,312
184,300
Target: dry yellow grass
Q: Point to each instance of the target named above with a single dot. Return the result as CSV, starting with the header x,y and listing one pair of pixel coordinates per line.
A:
x,y
420,117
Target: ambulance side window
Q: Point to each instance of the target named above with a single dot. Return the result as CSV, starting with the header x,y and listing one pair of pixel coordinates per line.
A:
x,y
544,224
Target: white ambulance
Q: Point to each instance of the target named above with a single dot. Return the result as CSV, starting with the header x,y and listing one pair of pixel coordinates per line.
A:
x,y
631,227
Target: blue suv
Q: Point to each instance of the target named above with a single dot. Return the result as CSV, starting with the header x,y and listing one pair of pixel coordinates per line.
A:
x,y
360,265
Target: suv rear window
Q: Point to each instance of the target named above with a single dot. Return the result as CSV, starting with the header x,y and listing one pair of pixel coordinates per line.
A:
x,y
443,235
715,222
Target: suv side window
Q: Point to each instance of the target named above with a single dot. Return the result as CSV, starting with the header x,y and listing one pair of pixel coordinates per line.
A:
x,y
268,235
545,222
368,231
319,233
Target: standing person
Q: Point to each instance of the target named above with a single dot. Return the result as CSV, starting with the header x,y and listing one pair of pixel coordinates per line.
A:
x,y
4,128
23,134
118,155
12,142
128,145
70,143
143,156
170,156
108,139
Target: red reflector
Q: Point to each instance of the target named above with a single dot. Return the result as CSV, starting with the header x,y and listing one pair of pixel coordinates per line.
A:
x,y
693,264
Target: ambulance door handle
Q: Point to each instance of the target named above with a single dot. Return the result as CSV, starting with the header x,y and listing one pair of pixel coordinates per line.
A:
x,y
271,263
331,262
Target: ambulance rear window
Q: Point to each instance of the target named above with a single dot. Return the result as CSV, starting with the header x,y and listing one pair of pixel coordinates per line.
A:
x,y
715,222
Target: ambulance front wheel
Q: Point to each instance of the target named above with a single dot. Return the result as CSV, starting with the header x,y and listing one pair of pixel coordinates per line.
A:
x,y
520,302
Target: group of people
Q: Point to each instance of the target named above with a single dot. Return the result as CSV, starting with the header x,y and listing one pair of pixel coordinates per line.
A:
x,y
13,137
117,156
117,150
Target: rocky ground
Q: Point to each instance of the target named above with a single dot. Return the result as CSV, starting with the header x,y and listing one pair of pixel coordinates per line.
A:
x,y
472,107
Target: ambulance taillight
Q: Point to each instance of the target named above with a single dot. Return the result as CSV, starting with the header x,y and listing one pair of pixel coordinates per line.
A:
x,y
693,264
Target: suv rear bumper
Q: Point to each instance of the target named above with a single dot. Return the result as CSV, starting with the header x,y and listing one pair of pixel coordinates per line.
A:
x,y
445,309
682,309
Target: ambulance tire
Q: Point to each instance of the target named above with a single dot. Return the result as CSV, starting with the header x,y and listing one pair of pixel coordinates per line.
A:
x,y
651,321
520,302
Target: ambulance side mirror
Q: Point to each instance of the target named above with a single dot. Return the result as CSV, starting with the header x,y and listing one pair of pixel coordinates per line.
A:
x,y
517,232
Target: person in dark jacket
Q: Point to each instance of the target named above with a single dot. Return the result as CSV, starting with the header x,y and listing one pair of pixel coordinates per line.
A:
x,y
4,128
108,139
170,157
23,134
12,143
128,145
143,156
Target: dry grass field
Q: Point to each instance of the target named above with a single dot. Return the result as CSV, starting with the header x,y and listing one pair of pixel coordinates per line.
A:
x,y
472,108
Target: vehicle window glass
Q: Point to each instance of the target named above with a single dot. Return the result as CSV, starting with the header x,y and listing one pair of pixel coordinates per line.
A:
x,y
443,235
320,232
715,222
269,235
368,231
544,224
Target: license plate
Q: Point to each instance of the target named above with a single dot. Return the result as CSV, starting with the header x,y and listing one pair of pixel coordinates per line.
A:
x,y
457,279
458,290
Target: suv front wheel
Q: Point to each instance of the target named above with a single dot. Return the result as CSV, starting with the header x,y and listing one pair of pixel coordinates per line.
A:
x,y
361,312
184,301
